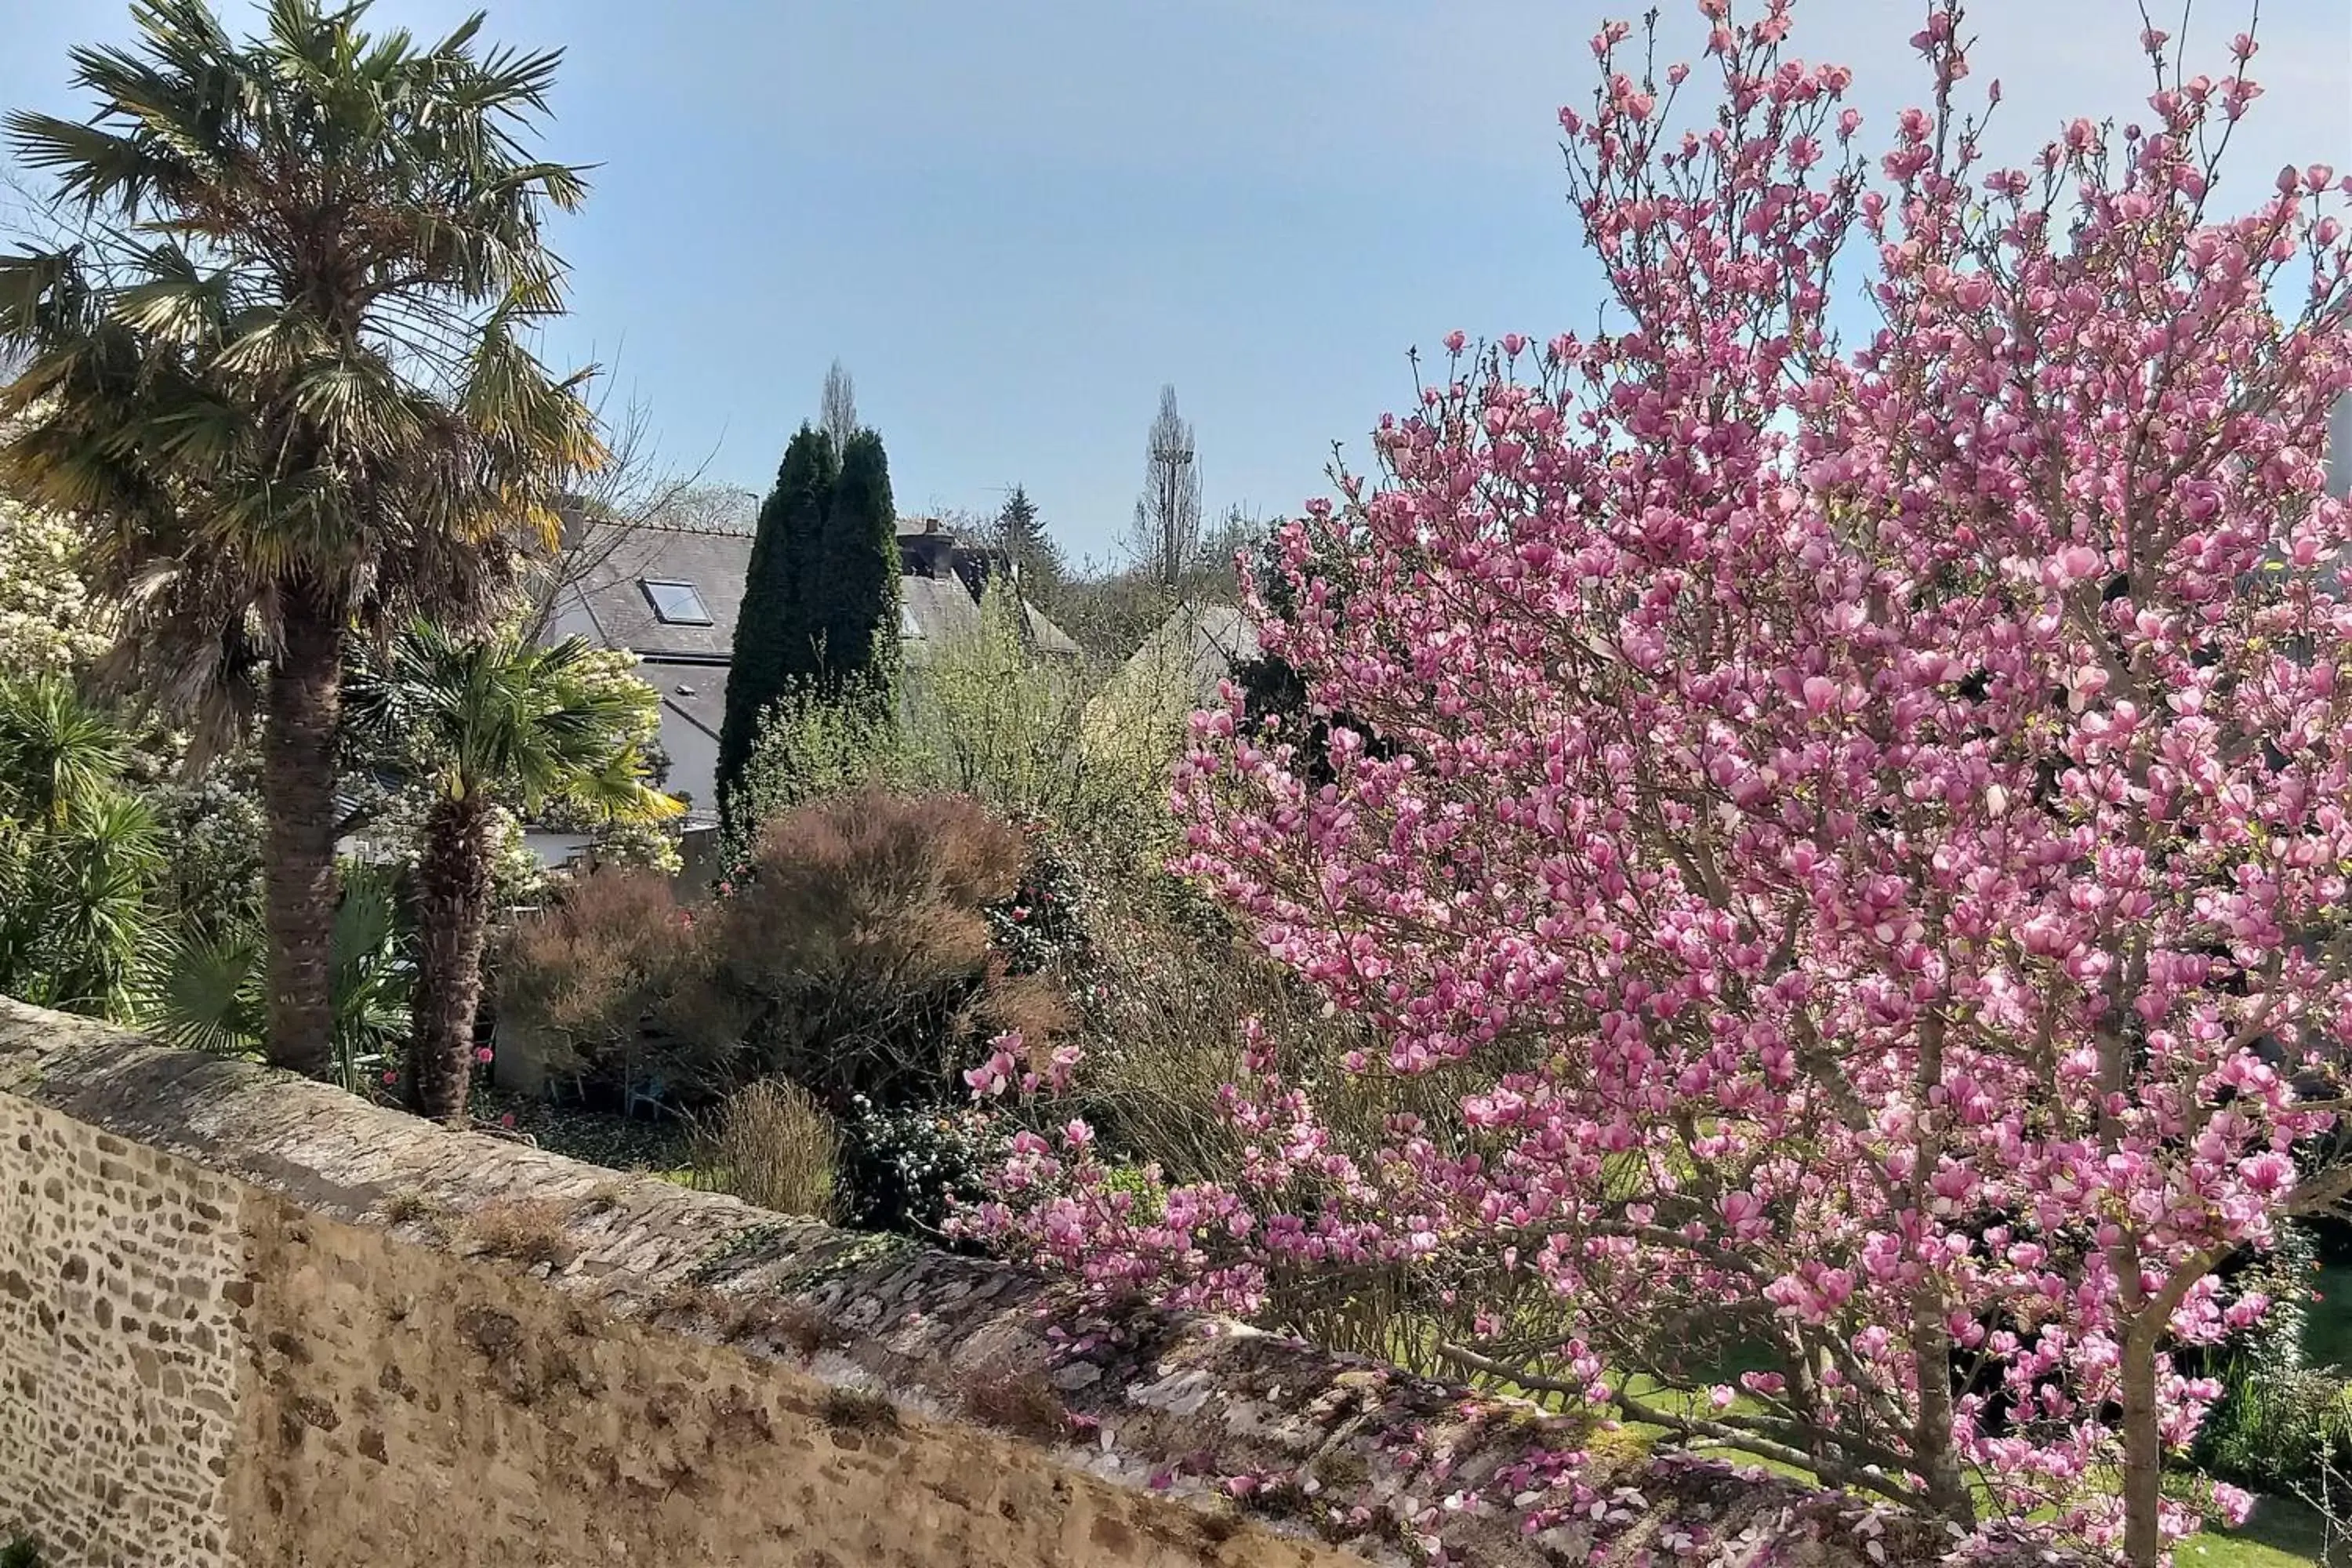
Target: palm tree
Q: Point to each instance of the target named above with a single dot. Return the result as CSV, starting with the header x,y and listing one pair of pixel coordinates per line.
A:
x,y
276,367
493,722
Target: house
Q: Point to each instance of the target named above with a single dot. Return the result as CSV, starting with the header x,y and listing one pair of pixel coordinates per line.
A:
x,y
1190,654
1174,673
670,594
1141,712
940,580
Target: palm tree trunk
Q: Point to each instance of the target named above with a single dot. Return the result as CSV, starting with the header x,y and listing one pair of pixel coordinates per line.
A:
x,y
453,916
298,784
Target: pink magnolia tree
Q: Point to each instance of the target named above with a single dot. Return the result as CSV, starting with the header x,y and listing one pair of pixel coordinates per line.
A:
x,y
1870,818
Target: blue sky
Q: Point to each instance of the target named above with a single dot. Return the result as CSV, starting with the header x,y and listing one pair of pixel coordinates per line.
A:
x,y
1015,221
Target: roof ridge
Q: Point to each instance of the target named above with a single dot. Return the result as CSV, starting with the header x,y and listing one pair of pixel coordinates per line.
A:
x,y
713,530
655,525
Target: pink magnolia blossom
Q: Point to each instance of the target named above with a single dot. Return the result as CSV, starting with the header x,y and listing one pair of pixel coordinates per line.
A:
x,y
1000,1071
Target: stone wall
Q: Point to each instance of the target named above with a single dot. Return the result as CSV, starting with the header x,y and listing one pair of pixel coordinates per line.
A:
x,y
120,1272
246,1319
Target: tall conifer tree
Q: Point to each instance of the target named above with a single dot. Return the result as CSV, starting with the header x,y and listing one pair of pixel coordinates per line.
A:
x,y
856,574
1020,534
775,635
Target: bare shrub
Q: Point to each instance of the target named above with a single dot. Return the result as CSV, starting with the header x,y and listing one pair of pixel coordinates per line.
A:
x,y
768,1145
409,1206
577,979
1022,1401
525,1230
699,1309
859,959
859,1410
800,1326
1167,992
858,954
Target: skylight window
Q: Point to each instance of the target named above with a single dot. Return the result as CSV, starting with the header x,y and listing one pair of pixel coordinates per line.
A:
x,y
675,604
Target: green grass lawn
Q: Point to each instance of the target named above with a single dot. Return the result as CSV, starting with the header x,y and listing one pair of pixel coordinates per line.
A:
x,y
2327,1330
2281,1534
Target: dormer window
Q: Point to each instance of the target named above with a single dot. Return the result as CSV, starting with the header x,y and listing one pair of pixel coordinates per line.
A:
x,y
906,625
675,604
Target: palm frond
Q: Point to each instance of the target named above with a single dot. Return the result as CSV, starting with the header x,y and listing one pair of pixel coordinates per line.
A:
x,y
40,293
208,996
93,167
177,305
355,402
267,343
211,995
497,717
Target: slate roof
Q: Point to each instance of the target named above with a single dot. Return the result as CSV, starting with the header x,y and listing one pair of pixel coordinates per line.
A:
x,y
935,610
1047,637
938,609
605,602
1173,673
602,597
696,692
1193,650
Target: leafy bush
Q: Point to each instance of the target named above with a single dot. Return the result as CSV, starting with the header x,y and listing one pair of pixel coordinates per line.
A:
x,y
1043,927
768,1145
2280,1426
209,993
812,745
1164,995
2286,1432
80,854
628,839
2275,1342
214,824
908,1170
984,715
49,620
